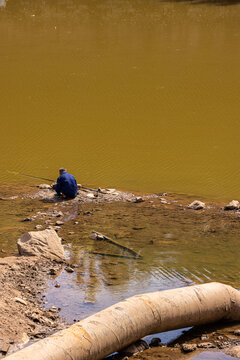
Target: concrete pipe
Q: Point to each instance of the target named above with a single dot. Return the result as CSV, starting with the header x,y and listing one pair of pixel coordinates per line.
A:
x,y
129,320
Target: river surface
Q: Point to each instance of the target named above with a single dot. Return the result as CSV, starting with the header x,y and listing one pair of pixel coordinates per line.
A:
x,y
138,95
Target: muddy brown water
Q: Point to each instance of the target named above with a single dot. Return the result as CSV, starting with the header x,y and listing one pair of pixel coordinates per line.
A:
x,y
139,95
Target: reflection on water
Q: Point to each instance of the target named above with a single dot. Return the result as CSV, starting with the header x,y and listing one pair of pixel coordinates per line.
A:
x,y
179,248
134,94
208,355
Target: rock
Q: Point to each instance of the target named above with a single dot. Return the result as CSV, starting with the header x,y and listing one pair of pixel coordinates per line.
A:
x,y
237,332
206,345
204,337
52,272
69,269
57,213
4,348
53,309
234,351
71,233
45,243
233,205
87,213
38,227
163,201
134,348
55,228
139,199
155,342
110,191
116,193
27,219
44,186
91,196
79,186
188,347
223,344
57,286
59,223
196,205
21,301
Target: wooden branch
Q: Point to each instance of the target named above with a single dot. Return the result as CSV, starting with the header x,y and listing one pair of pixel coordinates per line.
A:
x,y
97,236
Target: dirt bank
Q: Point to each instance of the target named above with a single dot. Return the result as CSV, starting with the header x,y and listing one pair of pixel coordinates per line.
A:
x,y
23,317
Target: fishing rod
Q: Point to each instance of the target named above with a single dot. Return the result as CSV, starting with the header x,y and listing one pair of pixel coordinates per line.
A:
x,y
46,179
31,176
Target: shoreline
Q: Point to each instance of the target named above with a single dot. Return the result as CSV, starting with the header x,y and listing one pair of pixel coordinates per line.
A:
x,y
26,280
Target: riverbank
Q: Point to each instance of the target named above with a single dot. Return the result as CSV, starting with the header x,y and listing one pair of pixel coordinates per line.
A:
x,y
25,280
23,315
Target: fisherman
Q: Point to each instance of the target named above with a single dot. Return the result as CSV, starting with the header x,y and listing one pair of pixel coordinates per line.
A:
x,y
66,184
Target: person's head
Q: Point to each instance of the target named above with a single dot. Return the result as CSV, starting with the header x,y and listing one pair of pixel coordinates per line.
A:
x,y
62,170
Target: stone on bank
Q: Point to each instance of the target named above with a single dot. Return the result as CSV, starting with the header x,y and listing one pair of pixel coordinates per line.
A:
x,y
46,244
233,205
196,205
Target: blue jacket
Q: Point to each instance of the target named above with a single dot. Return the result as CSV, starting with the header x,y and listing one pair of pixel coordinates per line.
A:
x,y
67,185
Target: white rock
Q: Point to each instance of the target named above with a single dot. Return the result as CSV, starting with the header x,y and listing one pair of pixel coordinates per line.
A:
x,y
21,301
90,196
44,243
138,199
44,186
233,205
196,205
110,191
59,223
163,201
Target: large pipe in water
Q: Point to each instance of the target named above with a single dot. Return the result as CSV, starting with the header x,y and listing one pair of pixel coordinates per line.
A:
x,y
129,320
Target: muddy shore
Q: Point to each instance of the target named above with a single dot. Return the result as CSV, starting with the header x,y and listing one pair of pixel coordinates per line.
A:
x,y
25,317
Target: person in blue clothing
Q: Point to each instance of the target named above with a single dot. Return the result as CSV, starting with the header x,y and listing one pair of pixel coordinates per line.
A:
x,y
66,184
